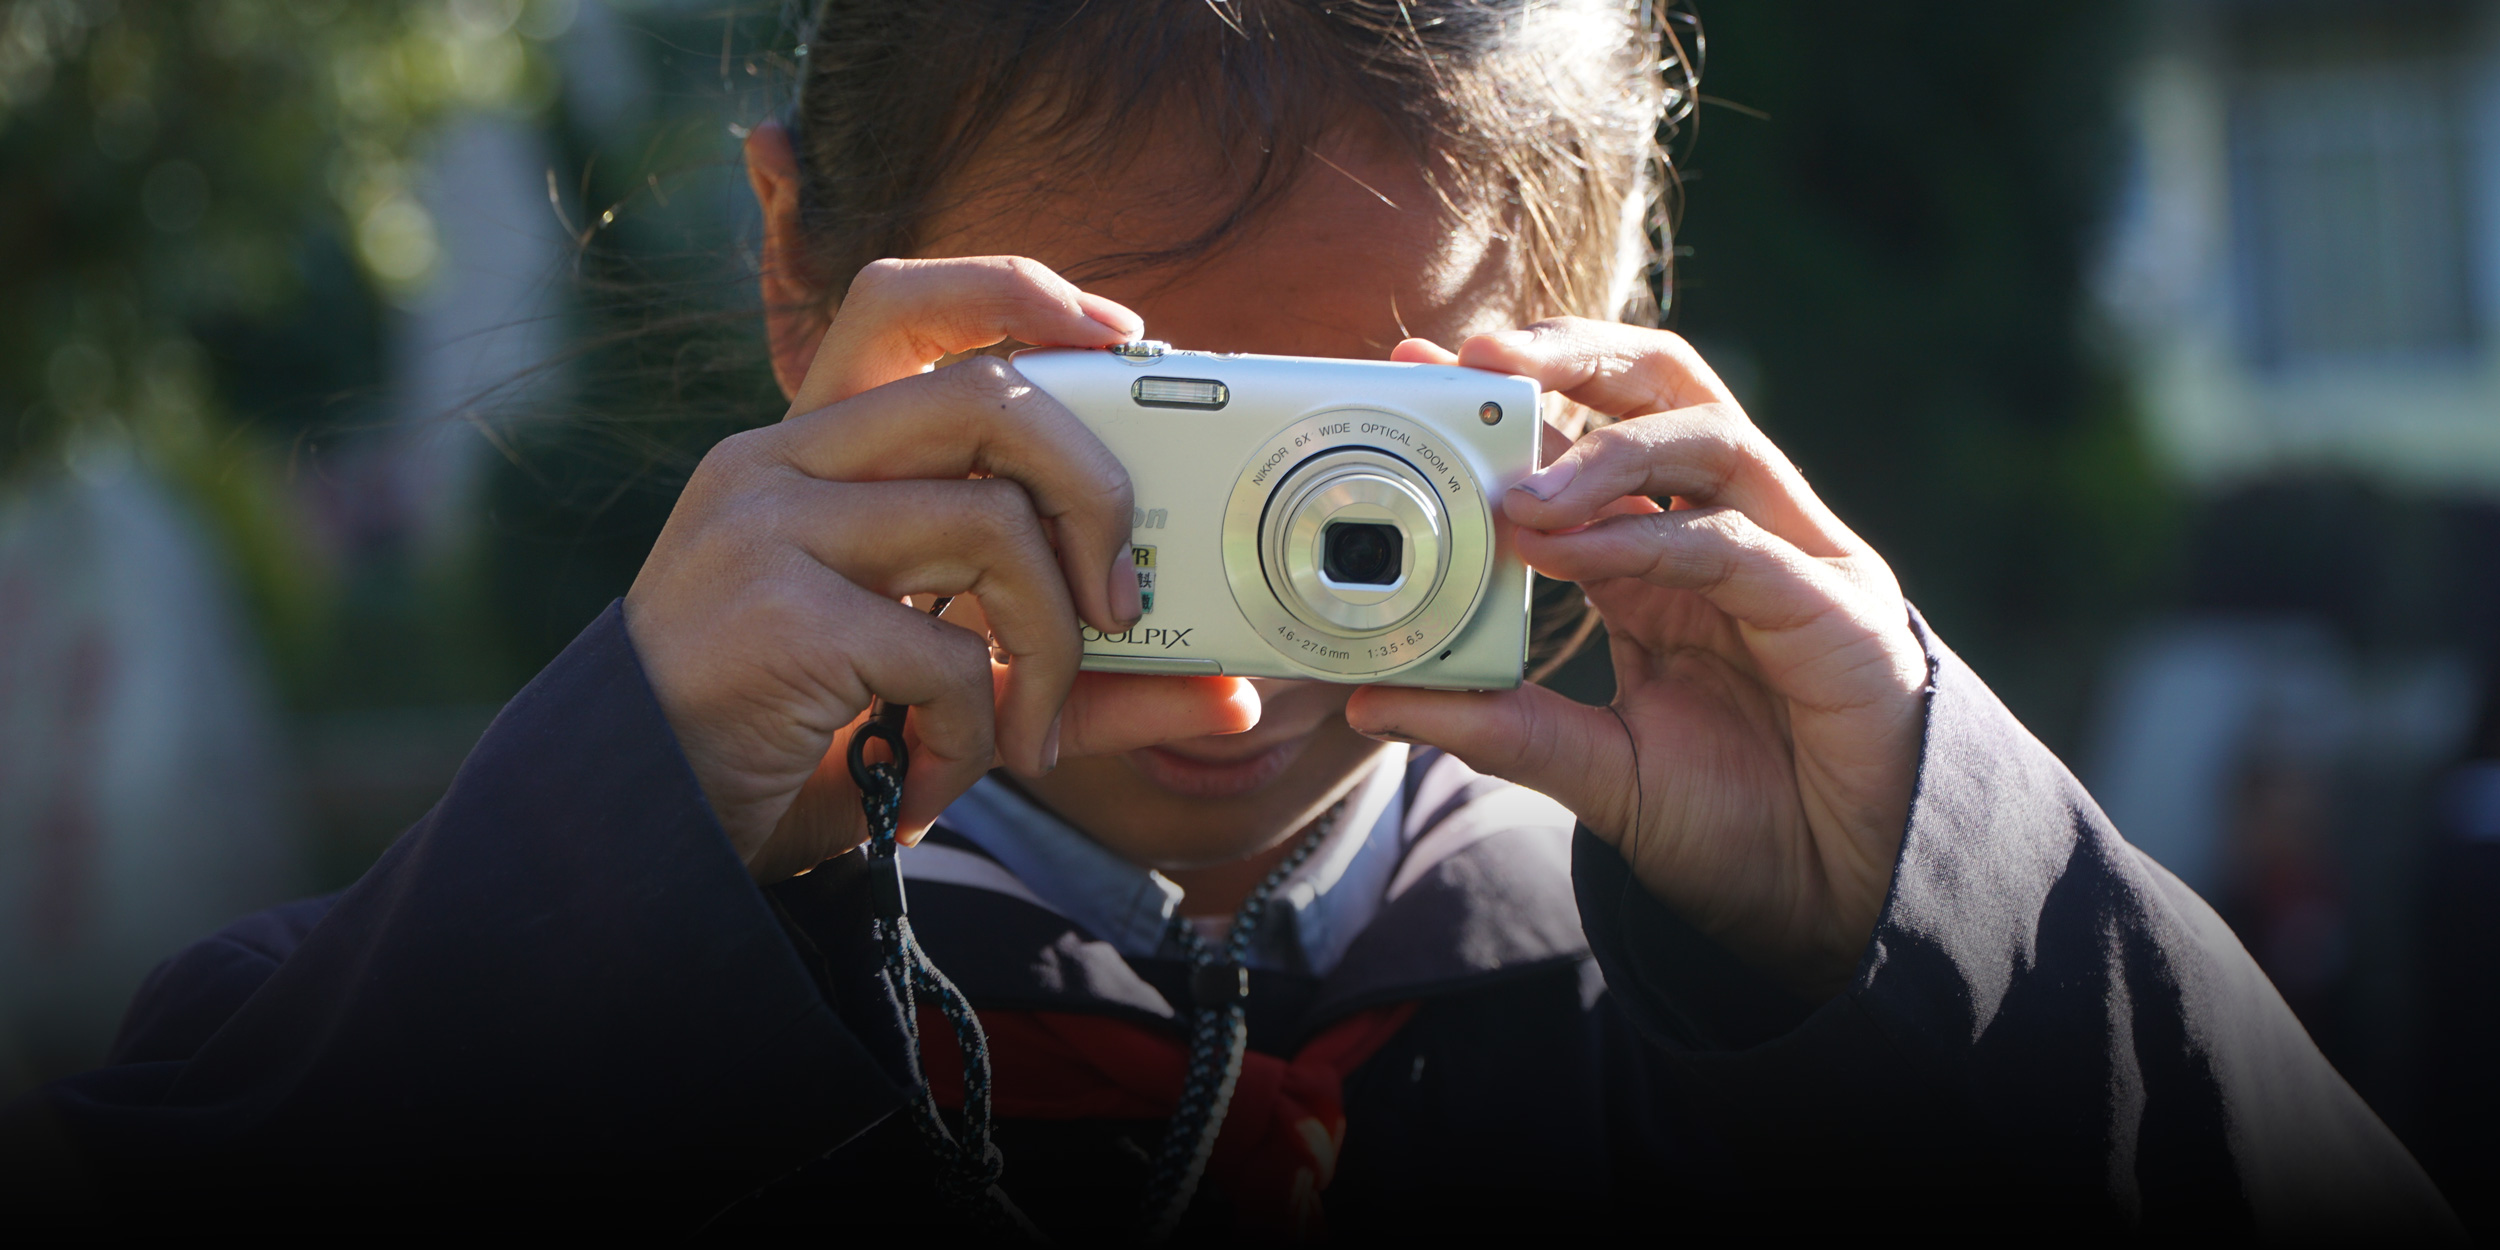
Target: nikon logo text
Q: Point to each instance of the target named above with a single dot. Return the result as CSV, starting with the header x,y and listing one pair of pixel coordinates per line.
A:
x,y
1147,518
1150,639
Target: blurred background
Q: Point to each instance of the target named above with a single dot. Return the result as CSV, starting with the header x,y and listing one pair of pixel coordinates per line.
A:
x,y
351,355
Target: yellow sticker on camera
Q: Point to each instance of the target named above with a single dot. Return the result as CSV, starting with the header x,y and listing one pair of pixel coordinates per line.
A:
x,y
1144,558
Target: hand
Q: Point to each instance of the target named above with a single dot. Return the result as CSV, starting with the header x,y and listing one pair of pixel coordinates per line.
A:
x,y
772,609
1756,765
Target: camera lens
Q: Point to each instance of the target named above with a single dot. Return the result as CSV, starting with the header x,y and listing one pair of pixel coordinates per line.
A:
x,y
1354,543
1360,553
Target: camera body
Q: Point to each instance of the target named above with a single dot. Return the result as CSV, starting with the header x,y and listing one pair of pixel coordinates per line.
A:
x,y
1307,518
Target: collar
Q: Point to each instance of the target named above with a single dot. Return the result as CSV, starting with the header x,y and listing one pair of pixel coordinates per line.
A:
x,y
1314,916
1481,894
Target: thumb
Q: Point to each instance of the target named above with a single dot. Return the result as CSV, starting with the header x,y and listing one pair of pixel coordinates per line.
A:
x,y
1575,754
1108,713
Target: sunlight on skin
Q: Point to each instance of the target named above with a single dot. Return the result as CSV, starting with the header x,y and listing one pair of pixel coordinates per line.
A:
x,y
1358,258
1756,765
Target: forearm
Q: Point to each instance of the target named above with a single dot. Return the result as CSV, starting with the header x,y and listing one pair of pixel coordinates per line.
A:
x,y
2041,1016
562,968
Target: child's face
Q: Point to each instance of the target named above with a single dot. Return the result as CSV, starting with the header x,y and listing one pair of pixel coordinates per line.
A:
x,y
1359,256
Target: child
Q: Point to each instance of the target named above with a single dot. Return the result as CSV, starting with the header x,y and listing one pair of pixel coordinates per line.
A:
x,y
1803,929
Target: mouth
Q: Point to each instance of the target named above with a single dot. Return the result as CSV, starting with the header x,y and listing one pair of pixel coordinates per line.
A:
x,y
1215,779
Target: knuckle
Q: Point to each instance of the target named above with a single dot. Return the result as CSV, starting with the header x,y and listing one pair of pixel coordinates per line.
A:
x,y
741,450
1044,649
876,278
1118,493
1619,439
966,655
731,463
1719,417
1028,273
1002,507
1702,548
1718,567
1725,447
1106,485
1002,289
1732,423
986,381
1724,527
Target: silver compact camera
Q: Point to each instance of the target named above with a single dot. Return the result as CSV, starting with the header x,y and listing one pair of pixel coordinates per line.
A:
x,y
1303,518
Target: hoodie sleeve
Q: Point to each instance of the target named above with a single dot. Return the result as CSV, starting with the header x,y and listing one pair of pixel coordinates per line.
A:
x,y
562,974
2044,1020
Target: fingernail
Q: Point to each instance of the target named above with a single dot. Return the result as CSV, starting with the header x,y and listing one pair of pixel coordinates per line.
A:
x,y
1126,603
1513,338
1388,735
1050,745
1549,481
1114,317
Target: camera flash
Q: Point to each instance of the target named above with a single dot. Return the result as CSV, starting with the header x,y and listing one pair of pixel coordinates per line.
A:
x,y
1180,393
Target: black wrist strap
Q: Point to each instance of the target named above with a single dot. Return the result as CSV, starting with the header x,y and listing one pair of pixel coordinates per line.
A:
x,y
968,1161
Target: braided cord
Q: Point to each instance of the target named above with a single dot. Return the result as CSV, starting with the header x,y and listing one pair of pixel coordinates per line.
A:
x,y
1219,1039
969,1163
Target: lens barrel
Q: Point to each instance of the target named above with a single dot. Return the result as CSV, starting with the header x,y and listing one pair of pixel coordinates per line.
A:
x,y
1355,542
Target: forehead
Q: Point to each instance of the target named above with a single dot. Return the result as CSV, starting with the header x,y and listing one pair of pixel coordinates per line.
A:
x,y
1359,253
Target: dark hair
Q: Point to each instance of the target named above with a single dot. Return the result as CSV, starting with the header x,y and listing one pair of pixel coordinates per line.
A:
x,y
1545,119
1508,106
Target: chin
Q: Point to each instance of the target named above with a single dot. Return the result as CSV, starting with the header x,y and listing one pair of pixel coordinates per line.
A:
x,y
1193,777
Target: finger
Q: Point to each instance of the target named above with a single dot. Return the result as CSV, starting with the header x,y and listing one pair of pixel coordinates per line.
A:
x,y
1807,621
942,672
1427,352
976,537
1422,352
1108,713
981,416
901,316
1552,442
824,819
1616,369
1573,753
1707,456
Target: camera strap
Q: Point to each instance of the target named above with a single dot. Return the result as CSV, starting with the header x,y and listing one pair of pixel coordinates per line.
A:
x,y
968,1160
1219,1041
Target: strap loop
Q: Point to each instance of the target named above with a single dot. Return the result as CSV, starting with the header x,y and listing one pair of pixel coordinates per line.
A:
x,y
885,726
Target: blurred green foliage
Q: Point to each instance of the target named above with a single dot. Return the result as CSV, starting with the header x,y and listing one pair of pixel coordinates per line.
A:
x,y
1888,240
207,204
210,213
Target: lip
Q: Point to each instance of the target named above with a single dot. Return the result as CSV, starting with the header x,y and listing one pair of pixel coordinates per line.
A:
x,y
1214,779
